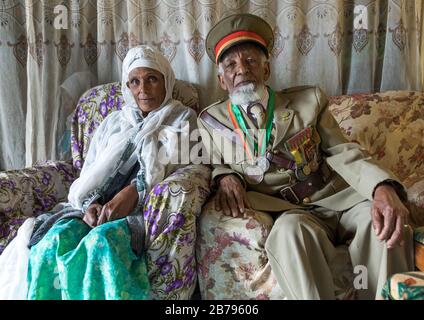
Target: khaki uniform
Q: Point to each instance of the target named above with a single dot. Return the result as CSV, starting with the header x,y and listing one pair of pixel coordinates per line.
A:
x,y
303,238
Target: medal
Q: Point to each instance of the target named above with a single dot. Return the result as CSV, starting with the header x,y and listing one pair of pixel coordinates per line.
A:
x,y
263,163
314,165
306,169
298,172
254,175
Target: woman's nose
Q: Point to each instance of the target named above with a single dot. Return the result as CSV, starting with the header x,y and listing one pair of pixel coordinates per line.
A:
x,y
142,86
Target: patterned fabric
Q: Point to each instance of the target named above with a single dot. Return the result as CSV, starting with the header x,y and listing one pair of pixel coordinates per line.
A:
x,y
234,265
170,223
75,262
30,192
390,127
404,286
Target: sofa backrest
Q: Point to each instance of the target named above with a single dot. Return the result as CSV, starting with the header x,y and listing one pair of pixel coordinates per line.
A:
x,y
390,127
96,103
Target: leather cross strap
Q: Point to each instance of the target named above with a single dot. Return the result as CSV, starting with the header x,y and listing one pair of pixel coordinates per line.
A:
x,y
224,130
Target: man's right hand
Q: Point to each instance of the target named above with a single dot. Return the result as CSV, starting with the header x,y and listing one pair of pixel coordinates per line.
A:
x,y
231,196
92,214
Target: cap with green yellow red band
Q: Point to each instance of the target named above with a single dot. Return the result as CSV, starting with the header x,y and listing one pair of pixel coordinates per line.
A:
x,y
237,29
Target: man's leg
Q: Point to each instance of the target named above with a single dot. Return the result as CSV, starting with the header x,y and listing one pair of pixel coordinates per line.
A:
x,y
299,250
366,250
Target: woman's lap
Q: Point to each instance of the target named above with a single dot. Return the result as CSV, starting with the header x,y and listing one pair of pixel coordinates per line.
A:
x,y
74,261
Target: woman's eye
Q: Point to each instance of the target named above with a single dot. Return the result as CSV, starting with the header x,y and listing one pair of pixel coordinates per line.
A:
x,y
152,79
135,82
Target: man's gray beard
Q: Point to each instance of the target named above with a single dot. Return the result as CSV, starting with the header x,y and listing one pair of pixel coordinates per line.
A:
x,y
246,94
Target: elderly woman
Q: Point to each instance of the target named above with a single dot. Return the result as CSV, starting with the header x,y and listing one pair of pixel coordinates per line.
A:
x,y
95,246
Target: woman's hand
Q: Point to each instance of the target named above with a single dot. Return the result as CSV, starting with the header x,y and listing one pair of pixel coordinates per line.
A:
x,y
91,215
122,204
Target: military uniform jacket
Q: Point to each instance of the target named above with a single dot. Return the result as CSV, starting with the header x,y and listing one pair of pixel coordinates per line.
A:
x,y
353,175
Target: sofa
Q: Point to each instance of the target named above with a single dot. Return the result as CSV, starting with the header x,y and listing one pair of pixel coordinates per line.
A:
x,y
390,127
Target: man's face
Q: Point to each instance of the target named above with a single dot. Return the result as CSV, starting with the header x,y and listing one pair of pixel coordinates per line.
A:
x,y
241,65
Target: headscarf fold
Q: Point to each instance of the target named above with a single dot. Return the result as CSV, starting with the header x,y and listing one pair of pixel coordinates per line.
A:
x,y
126,137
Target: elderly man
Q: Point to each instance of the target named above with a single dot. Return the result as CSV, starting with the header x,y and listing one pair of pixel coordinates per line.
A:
x,y
283,152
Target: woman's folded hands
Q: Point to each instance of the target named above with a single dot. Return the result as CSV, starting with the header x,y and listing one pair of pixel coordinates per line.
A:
x,y
121,205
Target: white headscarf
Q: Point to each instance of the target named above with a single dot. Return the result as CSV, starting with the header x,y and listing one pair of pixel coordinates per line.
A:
x,y
104,158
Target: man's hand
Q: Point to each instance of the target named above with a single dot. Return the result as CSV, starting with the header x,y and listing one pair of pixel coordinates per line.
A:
x,y
91,215
389,216
231,196
122,204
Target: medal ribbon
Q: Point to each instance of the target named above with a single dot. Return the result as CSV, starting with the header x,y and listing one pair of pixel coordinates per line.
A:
x,y
239,123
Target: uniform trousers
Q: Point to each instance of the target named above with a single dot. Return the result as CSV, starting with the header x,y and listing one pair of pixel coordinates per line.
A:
x,y
302,243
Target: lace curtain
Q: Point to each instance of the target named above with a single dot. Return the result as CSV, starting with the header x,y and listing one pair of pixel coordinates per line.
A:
x,y
343,46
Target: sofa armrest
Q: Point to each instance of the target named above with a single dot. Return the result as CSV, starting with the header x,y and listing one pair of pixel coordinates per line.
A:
x,y
34,190
193,180
31,191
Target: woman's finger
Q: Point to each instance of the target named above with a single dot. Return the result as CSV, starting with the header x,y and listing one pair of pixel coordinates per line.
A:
x,y
103,216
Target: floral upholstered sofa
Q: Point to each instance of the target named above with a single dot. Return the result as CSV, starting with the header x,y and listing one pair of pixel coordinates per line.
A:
x,y
390,127
31,191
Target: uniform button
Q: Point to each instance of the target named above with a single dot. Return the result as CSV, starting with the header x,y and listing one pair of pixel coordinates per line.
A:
x,y
307,200
275,151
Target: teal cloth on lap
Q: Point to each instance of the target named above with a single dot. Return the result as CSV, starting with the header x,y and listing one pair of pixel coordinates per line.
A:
x,y
74,261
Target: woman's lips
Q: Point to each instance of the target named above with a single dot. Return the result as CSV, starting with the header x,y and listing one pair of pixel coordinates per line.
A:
x,y
146,100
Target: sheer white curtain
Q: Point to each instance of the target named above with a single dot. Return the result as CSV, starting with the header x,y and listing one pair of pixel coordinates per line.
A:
x,y
343,46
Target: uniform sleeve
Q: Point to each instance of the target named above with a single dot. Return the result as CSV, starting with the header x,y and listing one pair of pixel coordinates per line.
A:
x,y
346,158
214,157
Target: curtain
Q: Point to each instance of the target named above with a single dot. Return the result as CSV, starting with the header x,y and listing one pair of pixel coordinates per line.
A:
x,y
51,51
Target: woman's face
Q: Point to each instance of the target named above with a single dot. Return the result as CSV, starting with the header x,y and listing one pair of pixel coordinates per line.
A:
x,y
148,88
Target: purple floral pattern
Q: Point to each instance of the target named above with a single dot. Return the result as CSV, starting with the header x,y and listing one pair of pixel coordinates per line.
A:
x,y
29,192
170,219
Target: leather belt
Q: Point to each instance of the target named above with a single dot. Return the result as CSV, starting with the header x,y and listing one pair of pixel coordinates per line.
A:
x,y
300,191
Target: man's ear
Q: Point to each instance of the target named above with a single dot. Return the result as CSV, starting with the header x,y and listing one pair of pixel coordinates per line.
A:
x,y
128,84
221,82
267,71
